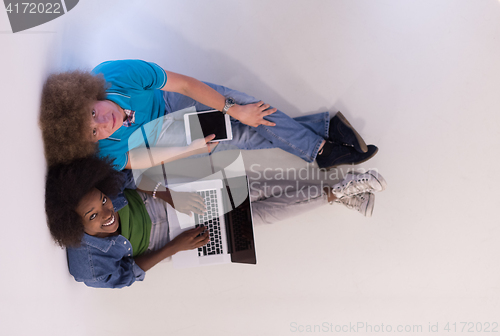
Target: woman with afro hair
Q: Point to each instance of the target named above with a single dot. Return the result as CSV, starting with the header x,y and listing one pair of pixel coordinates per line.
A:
x,y
112,244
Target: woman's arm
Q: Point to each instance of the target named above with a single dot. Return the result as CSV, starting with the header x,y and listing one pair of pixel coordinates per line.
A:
x,y
187,240
251,114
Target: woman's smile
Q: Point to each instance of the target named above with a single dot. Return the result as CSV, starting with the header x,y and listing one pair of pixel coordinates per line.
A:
x,y
111,221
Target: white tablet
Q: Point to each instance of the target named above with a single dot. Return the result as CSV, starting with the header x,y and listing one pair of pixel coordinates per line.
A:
x,y
201,124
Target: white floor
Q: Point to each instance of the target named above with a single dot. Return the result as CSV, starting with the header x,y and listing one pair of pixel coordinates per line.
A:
x,y
420,79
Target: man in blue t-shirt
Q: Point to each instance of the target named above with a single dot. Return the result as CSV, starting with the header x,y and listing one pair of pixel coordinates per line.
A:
x,y
140,96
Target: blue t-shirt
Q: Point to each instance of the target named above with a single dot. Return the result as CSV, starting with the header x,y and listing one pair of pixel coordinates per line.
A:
x,y
134,85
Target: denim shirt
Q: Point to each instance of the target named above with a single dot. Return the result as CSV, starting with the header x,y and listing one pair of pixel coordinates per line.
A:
x,y
129,183
106,262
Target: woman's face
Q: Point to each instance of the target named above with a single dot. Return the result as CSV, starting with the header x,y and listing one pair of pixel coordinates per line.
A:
x,y
106,118
98,217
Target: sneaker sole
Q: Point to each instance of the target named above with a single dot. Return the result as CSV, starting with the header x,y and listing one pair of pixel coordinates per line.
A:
x,y
354,163
369,206
379,178
361,142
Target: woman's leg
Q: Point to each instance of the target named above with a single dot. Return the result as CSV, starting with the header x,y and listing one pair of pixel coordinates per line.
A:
x,y
277,200
300,136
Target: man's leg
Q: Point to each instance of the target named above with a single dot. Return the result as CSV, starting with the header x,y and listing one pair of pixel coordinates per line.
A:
x,y
301,136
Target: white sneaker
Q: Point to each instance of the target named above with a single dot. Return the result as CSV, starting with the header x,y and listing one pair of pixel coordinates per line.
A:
x,y
361,202
356,183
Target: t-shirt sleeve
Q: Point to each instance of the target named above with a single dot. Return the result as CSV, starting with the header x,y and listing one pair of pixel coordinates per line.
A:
x,y
120,161
133,74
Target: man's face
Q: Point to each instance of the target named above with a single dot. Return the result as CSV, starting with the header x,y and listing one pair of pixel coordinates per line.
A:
x,y
106,118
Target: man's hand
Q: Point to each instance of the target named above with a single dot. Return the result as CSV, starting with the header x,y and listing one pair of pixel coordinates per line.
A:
x,y
191,239
200,146
252,114
187,202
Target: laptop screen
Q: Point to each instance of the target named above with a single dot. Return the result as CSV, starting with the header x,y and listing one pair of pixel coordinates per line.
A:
x,y
239,227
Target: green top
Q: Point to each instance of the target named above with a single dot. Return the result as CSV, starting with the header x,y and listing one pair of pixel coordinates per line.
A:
x,y
135,222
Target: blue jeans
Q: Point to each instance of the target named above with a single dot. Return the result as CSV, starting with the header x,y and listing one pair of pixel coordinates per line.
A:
x,y
301,136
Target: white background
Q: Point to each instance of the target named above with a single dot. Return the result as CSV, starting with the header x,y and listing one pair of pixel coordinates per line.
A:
x,y
420,79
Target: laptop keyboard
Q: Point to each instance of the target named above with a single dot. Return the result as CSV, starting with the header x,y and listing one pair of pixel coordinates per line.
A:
x,y
211,220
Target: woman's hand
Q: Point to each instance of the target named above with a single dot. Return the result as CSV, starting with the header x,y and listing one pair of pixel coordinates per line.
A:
x,y
252,114
187,240
200,146
187,202
191,239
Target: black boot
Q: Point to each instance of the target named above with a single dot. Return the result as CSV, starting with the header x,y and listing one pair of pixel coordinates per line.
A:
x,y
342,132
334,155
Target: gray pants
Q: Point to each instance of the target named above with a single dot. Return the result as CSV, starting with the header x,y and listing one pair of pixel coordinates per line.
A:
x,y
272,201
277,200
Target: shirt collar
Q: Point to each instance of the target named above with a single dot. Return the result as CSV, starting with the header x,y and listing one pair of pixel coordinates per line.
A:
x,y
130,118
103,244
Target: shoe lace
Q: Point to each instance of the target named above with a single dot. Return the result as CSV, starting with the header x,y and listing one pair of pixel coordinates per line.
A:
x,y
354,187
353,202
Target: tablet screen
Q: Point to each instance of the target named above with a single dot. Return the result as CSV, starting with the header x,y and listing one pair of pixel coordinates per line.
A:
x,y
203,124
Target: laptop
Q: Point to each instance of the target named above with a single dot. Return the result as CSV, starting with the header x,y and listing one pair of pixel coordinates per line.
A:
x,y
228,219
